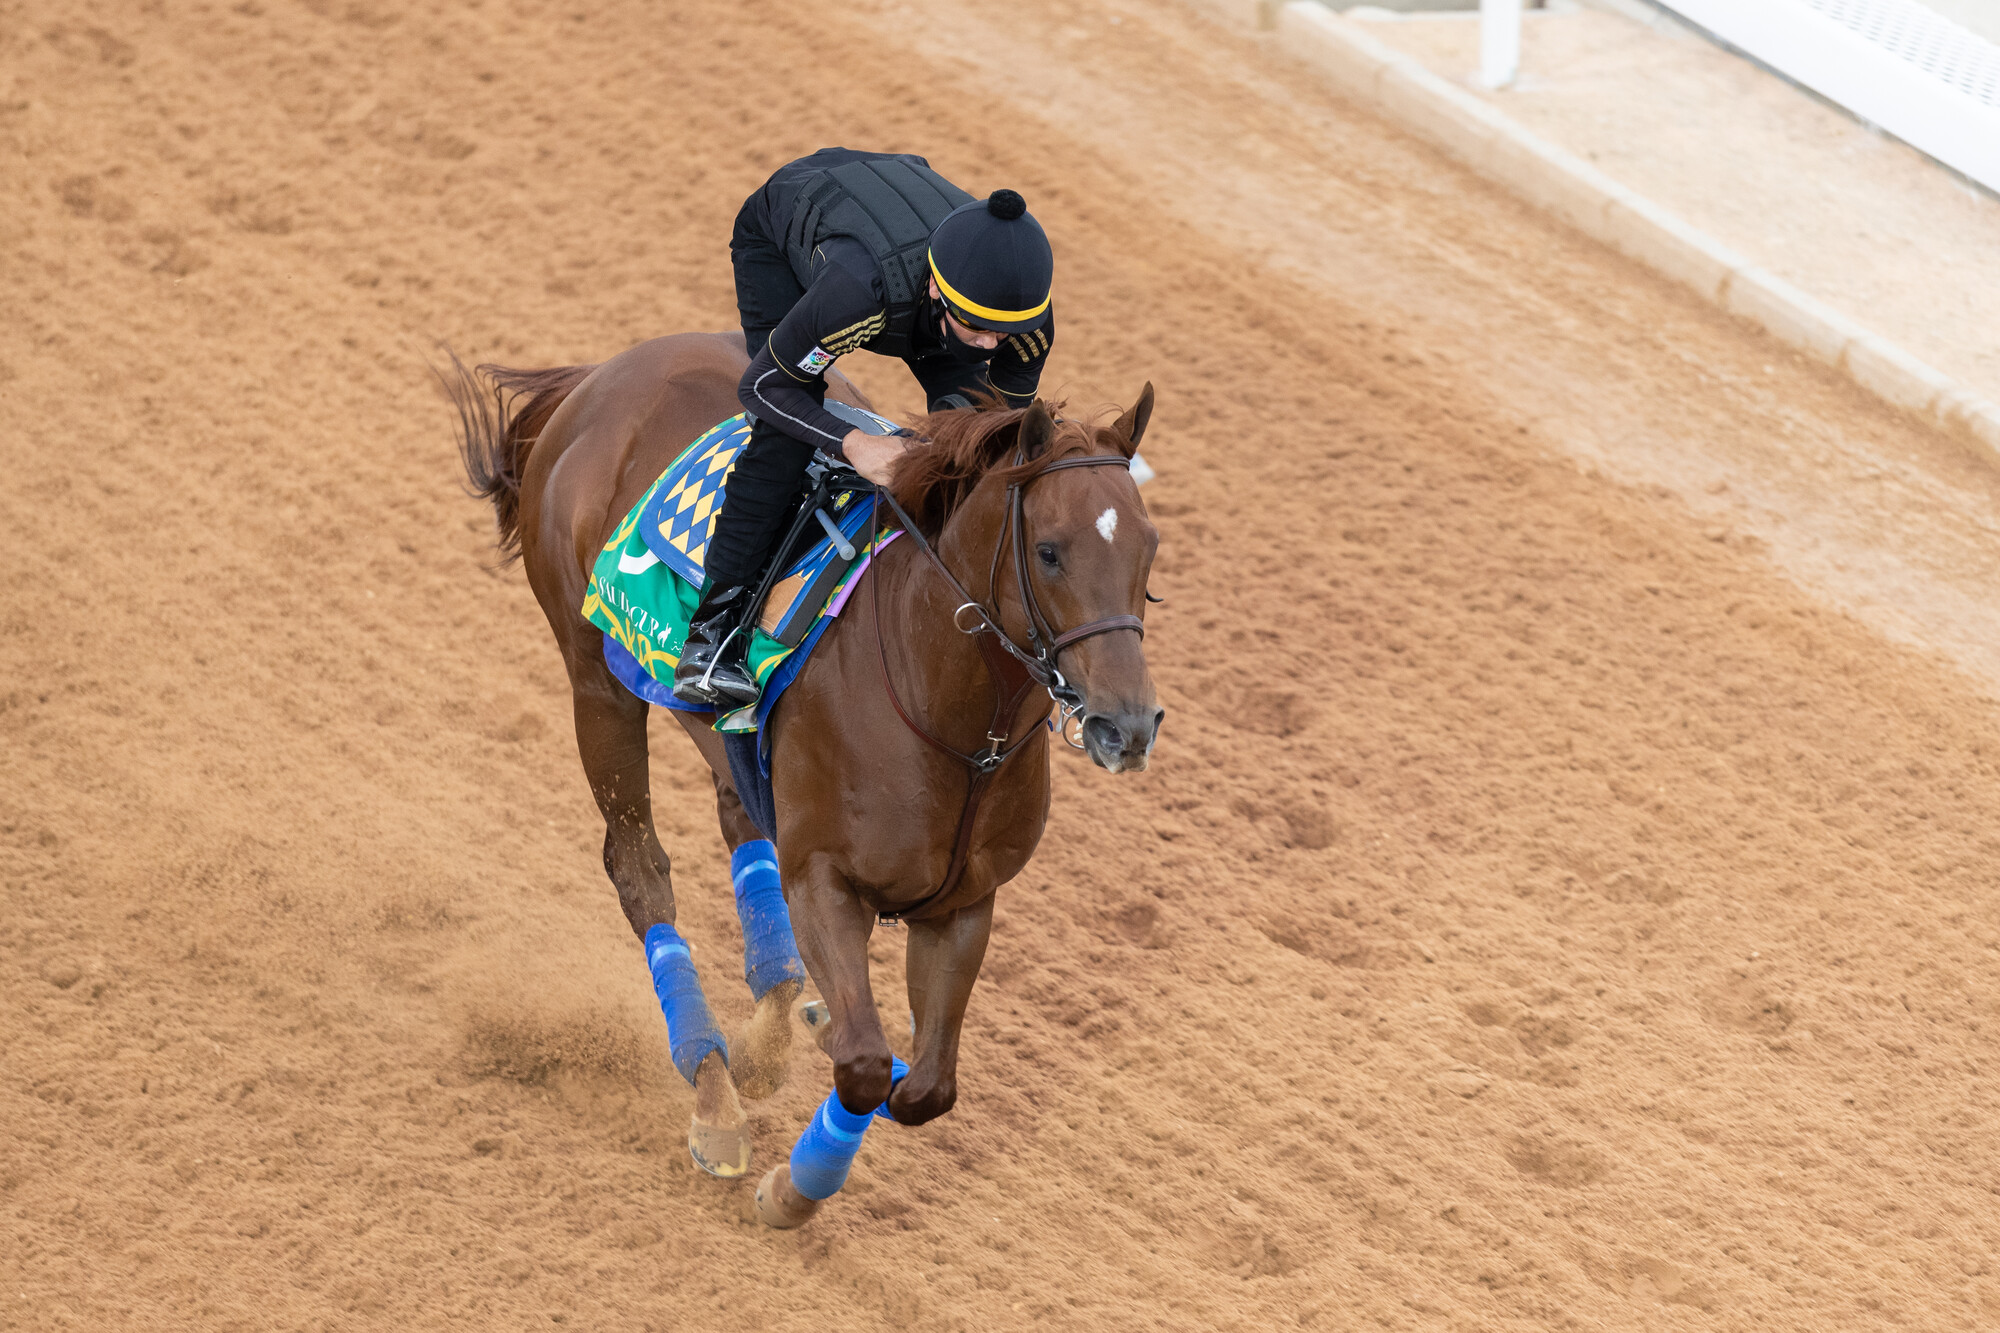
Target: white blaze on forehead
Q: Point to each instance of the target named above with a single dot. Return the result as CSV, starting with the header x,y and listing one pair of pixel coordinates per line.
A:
x,y
1107,523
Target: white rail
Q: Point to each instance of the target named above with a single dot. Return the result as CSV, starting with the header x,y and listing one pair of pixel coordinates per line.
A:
x,y
1499,42
1928,81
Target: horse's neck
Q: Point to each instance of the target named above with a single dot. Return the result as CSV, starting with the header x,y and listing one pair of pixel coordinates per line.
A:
x,y
969,541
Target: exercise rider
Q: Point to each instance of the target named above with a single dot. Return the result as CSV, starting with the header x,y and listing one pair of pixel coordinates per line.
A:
x,y
847,251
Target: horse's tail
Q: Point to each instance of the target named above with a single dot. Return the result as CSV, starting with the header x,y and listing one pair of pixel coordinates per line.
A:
x,y
496,429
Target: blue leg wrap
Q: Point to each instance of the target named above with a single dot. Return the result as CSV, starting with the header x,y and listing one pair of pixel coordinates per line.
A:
x,y
896,1071
769,953
825,1152
691,1029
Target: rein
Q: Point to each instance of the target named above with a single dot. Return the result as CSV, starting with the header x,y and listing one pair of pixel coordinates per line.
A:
x,y
1013,670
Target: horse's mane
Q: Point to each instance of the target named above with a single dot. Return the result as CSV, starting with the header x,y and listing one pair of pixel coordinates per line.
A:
x,y
961,448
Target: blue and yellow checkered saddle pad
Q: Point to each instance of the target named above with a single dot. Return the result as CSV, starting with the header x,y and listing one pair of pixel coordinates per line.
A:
x,y
679,513
678,517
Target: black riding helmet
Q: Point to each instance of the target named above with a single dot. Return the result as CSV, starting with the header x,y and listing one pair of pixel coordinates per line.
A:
x,y
993,264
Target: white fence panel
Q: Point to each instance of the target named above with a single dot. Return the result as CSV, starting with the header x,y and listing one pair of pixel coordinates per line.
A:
x,y
1926,80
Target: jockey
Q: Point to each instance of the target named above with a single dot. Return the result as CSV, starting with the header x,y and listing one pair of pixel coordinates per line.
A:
x,y
838,252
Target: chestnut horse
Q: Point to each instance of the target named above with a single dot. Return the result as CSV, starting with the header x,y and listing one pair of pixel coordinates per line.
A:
x,y
1022,526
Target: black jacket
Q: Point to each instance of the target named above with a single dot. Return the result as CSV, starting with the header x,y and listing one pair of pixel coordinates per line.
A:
x,y
855,228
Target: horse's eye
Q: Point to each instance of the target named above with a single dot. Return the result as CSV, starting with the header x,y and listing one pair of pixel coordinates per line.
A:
x,y
1047,551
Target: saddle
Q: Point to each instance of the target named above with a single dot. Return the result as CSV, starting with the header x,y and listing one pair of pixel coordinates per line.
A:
x,y
817,551
647,579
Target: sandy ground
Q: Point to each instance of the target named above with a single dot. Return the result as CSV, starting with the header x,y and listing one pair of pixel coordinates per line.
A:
x,y
1559,900
1905,540
1859,219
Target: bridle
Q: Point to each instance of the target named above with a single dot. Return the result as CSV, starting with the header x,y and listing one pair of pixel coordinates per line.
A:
x,y
1014,670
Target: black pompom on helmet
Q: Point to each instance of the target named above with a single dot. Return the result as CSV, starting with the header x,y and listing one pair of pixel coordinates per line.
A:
x,y
993,264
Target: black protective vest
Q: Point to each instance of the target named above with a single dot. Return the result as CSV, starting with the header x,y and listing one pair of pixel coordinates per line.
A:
x,y
891,205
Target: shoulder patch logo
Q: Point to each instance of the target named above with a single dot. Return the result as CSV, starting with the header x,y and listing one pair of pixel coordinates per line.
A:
x,y
815,361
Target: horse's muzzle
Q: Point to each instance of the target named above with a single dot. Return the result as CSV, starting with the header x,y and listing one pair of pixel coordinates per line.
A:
x,y
1122,742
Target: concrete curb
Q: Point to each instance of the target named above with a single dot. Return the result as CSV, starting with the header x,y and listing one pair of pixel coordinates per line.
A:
x,y
1561,183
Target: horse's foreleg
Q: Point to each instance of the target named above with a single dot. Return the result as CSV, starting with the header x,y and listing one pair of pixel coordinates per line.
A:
x,y
833,925
611,737
943,962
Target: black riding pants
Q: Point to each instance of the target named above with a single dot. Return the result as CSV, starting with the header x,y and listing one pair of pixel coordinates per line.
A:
x,y
764,487
768,482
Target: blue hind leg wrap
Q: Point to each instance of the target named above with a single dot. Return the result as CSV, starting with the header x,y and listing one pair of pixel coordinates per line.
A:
x,y
770,955
691,1029
825,1152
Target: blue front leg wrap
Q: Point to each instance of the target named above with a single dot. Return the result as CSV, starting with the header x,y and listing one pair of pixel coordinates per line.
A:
x,y
825,1152
691,1029
769,953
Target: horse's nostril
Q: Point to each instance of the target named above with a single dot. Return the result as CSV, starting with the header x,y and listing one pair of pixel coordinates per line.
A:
x,y
1104,734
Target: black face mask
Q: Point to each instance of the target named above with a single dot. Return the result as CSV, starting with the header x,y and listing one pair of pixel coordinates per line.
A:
x,y
961,352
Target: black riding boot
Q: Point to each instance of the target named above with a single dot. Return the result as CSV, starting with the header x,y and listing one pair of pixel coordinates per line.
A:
x,y
714,669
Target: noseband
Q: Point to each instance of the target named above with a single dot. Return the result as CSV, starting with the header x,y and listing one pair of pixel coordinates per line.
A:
x,y
1007,662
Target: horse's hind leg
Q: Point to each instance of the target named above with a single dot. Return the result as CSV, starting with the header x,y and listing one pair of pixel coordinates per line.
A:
x,y
771,963
611,737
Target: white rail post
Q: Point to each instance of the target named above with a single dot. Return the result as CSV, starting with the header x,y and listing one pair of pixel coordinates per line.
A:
x,y
1499,42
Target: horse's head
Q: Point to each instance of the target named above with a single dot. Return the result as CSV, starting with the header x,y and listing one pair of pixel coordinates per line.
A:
x,y
1088,548
1068,577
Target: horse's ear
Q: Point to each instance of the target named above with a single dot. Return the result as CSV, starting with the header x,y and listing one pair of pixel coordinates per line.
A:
x,y
1132,426
1037,428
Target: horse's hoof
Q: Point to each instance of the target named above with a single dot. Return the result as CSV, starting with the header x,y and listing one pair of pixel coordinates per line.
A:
x,y
718,1137
818,1020
760,1056
778,1204
720,1150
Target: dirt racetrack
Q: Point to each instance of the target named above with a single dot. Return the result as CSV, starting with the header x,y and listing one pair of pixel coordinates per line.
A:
x,y
1548,908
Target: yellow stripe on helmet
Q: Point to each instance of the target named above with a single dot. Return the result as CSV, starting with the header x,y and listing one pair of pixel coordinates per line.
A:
x,y
980,311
